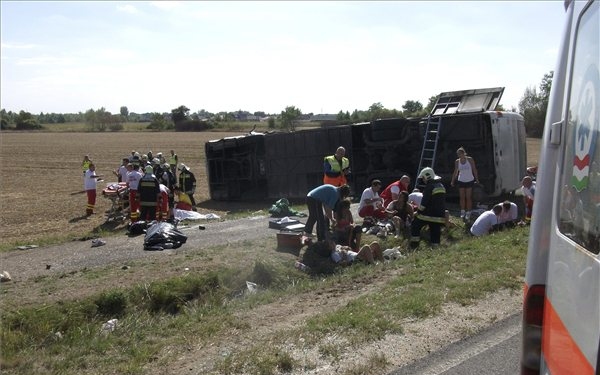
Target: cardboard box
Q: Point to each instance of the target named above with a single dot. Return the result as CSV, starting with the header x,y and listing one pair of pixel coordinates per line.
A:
x,y
289,240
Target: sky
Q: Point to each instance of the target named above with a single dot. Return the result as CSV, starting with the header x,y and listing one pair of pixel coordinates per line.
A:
x,y
319,56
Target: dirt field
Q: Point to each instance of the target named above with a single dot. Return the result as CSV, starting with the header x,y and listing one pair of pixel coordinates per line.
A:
x,y
42,187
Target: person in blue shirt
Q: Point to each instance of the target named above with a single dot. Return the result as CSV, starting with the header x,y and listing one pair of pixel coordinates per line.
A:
x,y
323,198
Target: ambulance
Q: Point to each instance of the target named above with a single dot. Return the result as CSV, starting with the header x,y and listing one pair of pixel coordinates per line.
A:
x,y
561,311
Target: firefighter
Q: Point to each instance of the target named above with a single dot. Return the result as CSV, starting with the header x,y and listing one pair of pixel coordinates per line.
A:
x,y
187,183
431,211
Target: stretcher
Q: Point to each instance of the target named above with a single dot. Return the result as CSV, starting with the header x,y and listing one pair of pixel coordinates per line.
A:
x,y
118,194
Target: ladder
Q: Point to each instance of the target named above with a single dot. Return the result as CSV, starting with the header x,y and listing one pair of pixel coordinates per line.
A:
x,y
430,143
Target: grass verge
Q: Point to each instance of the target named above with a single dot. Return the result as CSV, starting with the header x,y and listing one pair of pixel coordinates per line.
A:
x,y
159,320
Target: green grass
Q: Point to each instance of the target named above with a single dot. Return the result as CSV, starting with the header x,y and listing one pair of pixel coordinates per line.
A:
x,y
192,310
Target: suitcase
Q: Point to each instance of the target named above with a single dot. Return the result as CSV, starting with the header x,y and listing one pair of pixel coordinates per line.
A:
x,y
294,228
276,223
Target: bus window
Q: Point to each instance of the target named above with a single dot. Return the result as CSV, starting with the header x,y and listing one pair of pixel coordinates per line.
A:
x,y
579,217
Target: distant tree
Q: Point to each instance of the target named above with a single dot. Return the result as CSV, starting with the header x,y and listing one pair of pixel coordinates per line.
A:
x,y
355,117
90,118
271,122
430,104
4,119
180,113
124,112
260,114
533,106
159,122
26,121
375,111
289,117
343,117
104,119
412,106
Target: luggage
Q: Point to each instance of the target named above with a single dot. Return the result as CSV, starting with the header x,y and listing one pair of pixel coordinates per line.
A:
x,y
280,223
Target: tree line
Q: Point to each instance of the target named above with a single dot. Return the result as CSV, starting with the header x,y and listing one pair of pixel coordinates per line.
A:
x,y
532,107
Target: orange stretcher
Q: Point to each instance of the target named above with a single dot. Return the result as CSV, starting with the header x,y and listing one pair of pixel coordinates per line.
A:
x,y
118,194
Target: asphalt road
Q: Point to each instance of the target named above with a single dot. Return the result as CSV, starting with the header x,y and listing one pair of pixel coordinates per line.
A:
x,y
495,351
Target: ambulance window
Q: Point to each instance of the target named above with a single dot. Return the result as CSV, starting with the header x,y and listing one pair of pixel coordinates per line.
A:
x,y
579,217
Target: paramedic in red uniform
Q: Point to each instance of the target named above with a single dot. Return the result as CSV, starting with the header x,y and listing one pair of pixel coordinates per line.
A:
x,y
90,181
133,181
164,211
336,168
392,191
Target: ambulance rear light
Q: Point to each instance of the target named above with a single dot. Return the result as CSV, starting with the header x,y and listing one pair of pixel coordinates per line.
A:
x,y
533,313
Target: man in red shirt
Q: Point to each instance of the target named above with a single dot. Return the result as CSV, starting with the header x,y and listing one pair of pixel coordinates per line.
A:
x,y
391,192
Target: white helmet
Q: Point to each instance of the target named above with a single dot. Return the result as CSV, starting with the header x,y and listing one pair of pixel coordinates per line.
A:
x,y
428,174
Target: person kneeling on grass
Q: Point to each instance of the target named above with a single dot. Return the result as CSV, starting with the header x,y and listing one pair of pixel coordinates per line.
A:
x,y
346,231
182,200
487,222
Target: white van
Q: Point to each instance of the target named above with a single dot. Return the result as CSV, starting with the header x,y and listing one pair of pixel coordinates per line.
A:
x,y
561,313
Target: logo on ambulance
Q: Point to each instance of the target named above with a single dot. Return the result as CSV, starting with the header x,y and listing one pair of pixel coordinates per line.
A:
x,y
586,123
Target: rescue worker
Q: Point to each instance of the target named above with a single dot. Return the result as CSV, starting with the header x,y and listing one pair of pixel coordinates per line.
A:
x,y
168,179
90,182
164,207
183,201
85,164
187,183
149,194
431,211
173,161
392,191
133,181
336,167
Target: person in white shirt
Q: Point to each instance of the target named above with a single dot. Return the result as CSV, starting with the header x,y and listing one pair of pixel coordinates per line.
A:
x,y
121,172
415,198
509,215
133,180
486,222
90,181
528,190
371,204
465,173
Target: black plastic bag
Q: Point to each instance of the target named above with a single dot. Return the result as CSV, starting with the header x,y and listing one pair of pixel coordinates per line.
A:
x,y
163,235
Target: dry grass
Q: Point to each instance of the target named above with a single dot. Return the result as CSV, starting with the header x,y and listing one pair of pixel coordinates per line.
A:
x,y
41,189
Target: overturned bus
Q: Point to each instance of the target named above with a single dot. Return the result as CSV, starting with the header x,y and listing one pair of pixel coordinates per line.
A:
x,y
258,166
